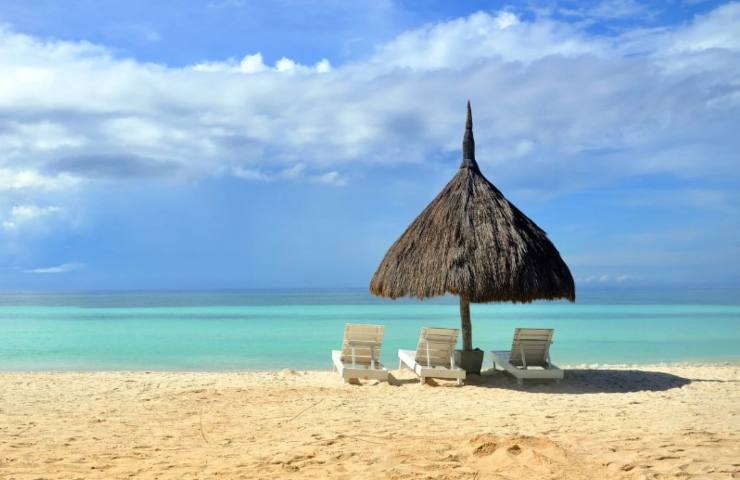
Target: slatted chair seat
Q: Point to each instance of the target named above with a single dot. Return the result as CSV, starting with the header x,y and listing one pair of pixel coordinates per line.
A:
x,y
434,355
529,356
360,353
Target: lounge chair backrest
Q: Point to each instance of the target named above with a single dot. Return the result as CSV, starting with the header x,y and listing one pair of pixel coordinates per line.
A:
x,y
436,346
531,347
361,344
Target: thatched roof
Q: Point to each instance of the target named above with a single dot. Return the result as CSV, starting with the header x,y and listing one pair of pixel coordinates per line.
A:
x,y
471,241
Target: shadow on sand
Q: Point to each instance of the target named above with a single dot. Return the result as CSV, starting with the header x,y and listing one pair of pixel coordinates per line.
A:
x,y
579,381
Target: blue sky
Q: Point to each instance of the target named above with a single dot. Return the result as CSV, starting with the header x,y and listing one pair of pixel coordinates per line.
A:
x,y
246,144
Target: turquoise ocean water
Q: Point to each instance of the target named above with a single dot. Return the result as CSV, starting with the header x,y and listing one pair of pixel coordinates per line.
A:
x,y
261,330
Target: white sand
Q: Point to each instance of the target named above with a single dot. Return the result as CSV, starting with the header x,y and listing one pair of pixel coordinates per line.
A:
x,y
677,421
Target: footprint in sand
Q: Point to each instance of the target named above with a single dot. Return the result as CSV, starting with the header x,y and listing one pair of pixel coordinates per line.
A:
x,y
484,449
514,450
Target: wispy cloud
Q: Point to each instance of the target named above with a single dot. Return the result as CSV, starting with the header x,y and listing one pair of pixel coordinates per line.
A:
x,y
605,278
333,178
605,9
249,174
21,215
297,172
63,268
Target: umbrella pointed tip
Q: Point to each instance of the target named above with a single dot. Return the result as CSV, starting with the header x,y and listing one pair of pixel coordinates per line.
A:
x,y
469,142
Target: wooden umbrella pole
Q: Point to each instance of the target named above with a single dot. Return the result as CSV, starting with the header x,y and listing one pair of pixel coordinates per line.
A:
x,y
467,329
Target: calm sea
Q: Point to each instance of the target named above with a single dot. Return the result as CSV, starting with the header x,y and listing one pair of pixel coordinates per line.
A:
x,y
261,330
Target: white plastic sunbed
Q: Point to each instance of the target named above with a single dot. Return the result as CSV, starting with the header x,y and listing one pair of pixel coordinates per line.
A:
x,y
529,357
433,357
360,353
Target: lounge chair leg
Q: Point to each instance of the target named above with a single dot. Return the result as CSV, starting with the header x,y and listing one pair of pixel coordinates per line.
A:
x,y
400,364
459,382
520,381
422,381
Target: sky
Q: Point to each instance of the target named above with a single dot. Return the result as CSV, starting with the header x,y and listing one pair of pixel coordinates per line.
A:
x,y
223,144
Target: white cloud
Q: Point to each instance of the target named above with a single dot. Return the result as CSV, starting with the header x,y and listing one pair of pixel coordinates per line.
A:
x,y
254,63
63,268
37,137
556,106
333,178
297,172
720,28
479,37
19,179
285,65
506,19
21,215
323,66
249,174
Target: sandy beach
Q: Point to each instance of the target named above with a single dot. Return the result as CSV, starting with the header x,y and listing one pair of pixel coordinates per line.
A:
x,y
669,421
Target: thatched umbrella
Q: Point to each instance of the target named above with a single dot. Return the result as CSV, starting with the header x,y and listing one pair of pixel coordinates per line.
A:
x,y
472,242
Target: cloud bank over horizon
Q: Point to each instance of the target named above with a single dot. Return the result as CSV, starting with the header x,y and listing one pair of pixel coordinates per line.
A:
x,y
559,108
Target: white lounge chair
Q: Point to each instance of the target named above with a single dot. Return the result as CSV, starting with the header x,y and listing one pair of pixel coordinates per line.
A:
x,y
529,357
434,355
360,353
